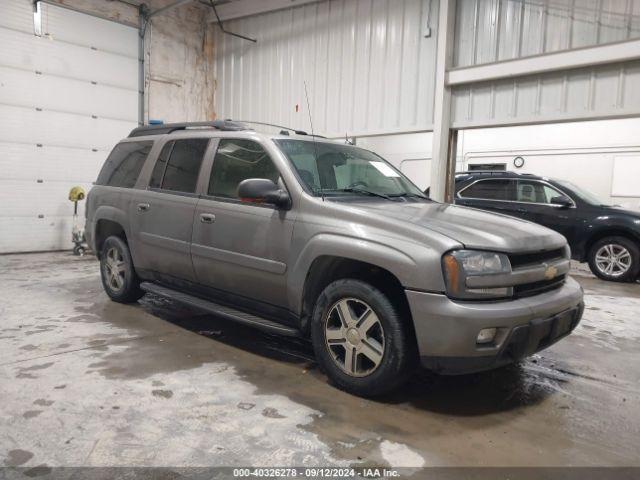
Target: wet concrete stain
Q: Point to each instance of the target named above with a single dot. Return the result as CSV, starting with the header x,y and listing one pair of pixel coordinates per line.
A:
x,y
29,348
162,393
43,403
39,471
31,414
17,457
272,413
36,367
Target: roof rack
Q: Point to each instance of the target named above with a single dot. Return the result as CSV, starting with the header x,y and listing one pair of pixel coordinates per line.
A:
x,y
223,125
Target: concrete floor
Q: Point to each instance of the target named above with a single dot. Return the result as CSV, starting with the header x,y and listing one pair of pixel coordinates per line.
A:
x,y
88,382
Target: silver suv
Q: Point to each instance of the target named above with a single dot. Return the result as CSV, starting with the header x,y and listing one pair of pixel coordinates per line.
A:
x,y
303,236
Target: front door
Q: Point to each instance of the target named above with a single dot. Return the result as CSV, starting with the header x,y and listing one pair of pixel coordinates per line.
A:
x,y
534,196
162,215
241,248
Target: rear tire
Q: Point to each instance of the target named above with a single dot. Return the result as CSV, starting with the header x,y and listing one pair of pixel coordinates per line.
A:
x,y
615,258
360,339
119,278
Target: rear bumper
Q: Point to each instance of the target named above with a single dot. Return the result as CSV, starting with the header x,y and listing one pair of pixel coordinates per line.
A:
x,y
446,330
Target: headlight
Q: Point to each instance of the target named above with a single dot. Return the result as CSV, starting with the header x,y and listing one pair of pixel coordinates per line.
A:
x,y
458,265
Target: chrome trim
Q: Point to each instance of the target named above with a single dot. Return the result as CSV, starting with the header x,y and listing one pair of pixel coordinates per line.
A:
x,y
520,276
516,201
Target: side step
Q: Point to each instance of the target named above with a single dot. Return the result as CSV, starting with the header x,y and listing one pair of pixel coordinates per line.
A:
x,y
220,310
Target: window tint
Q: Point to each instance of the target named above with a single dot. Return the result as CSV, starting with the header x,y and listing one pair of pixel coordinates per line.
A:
x,y
159,168
181,171
124,164
497,189
235,161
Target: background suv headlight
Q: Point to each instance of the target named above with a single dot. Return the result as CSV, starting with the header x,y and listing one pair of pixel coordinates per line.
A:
x,y
458,265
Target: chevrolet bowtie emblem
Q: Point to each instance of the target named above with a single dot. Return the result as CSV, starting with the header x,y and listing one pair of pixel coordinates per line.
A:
x,y
550,272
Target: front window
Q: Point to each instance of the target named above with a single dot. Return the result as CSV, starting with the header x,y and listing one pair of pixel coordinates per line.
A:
x,y
336,170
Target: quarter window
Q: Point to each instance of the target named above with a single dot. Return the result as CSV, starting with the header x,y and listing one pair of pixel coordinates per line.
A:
x,y
498,189
235,161
178,165
124,164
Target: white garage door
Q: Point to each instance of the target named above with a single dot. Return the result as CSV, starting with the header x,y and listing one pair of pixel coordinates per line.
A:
x,y
65,99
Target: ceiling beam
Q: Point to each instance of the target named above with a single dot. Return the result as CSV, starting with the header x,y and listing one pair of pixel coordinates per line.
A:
x,y
548,62
246,8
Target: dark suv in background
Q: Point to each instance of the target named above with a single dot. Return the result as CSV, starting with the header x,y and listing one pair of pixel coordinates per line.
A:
x,y
605,236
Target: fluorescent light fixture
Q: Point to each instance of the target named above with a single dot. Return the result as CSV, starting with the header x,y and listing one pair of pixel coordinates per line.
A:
x,y
37,18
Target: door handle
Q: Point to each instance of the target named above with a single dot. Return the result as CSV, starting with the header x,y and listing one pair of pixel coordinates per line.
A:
x,y
143,207
207,217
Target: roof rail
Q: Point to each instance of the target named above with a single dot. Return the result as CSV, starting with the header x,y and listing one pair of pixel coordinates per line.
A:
x,y
224,125
297,132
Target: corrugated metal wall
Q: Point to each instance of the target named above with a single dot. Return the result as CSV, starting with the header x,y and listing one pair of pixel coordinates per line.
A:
x,y
368,65
493,30
588,93
496,30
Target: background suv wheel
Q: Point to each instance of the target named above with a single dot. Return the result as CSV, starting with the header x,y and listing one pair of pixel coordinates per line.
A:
x,y
360,339
615,258
119,278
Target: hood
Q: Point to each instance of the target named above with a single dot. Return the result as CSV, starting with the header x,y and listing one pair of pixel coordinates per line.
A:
x,y
469,226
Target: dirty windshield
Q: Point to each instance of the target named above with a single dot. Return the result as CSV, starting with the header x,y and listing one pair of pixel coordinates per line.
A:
x,y
334,170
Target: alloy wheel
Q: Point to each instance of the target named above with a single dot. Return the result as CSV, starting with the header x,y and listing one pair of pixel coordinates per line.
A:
x,y
613,260
114,269
354,337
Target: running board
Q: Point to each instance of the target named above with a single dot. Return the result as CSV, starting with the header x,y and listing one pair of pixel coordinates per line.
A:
x,y
220,310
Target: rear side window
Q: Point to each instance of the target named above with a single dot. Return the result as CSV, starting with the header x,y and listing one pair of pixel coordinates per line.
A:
x,y
498,189
235,161
178,165
124,164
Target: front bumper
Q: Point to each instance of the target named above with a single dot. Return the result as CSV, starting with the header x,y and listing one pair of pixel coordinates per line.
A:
x,y
446,330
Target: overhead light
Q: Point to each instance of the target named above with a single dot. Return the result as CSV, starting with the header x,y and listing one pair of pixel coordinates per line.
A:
x,y
37,18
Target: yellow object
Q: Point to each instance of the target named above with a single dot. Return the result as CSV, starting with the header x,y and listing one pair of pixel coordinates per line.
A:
x,y
76,194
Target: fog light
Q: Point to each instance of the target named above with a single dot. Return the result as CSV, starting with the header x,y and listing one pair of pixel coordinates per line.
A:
x,y
486,335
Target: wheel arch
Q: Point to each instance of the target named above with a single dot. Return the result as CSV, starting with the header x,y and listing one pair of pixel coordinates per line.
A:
x,y
325,269
108,221
608,232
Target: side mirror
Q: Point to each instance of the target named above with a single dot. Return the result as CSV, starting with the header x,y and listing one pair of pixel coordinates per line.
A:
x,y
562,201
263,190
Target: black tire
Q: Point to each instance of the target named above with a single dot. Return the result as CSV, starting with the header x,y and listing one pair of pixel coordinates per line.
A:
x,y
618,243
127,288
397,346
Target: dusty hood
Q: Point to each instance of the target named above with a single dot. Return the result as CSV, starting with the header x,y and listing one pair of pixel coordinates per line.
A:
x,y
469,226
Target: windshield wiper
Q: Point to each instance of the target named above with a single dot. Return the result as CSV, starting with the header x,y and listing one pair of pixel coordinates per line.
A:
x,y
364,192
409,195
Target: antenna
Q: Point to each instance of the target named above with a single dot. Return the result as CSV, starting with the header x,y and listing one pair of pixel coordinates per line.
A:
x,y
313,136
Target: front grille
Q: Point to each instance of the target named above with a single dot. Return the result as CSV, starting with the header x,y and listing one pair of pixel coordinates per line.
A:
x,y
522,259
535,288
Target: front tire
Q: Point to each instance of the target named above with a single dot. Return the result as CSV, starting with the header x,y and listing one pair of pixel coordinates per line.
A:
x,y
360,339
119,278
615,258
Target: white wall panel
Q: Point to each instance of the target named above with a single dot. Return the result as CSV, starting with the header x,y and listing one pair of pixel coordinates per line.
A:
x,y
65,99
368,67
49,92
607,91
493,30
49,56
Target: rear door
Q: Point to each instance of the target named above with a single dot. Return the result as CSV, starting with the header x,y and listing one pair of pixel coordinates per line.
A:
x,y
242,248
162,215
493,194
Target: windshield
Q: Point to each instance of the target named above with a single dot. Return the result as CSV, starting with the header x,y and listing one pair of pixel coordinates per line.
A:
x,y
333,169
585,195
